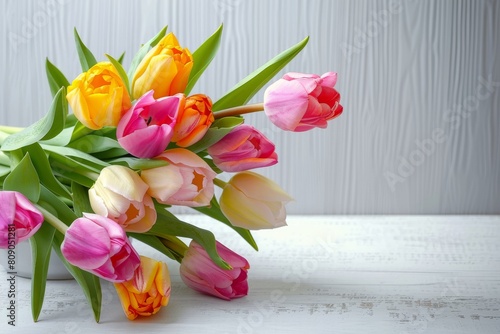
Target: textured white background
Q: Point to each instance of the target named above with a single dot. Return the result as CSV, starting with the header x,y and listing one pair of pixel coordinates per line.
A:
x,y
420,133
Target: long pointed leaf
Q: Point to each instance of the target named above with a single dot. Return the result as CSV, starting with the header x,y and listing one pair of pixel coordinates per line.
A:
x,y
87,59
56,77
45,128
202,57
249,86
123,75
82,157
81,202
44,170
24,179
41,245
120,59
154,242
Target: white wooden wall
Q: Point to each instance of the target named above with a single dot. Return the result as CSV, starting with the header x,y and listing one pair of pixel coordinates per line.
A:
x,y
420,133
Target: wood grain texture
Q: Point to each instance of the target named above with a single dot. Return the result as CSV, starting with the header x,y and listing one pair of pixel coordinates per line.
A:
x,y
420,132
321,274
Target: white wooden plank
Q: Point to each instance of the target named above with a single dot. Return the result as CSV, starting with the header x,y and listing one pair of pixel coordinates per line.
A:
x,y
322,274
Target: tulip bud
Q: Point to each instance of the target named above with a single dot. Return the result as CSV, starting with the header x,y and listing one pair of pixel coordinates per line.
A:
x,y
99,245
200,273
254,202
146,129
147,291
19,218
98,97
120,194
243,148
193,120
187,179
300,102
165,69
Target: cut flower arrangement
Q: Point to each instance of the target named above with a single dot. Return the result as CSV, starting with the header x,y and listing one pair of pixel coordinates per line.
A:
x,y
137,143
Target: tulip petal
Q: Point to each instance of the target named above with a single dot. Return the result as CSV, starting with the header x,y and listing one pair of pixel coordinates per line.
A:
x,y
77,238
282,97
252,184
329,79
200,273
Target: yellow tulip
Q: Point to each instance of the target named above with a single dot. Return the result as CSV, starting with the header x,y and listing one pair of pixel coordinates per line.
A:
x,y
254,202
98,97
165,69
147,291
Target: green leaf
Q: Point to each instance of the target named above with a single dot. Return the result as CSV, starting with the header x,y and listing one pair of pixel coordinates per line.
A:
x,y
56,206
56,77
47,127
144,50
169,225
249,86
202,57
139,164
83,158
44,170
119,68
4,170
122,56
112,153
217,130
81,202
69,134
41,243
215,212
89,283
94,143
71,169
154,242
87,59
24,179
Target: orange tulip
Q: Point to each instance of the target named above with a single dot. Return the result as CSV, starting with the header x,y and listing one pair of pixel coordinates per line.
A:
x,y
147,291
193,121
98,97
165,69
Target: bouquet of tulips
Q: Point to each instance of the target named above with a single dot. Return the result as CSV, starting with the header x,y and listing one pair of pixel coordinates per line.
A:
x,y
137,143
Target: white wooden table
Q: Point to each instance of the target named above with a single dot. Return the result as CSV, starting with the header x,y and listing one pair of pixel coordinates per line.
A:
x,y
333,274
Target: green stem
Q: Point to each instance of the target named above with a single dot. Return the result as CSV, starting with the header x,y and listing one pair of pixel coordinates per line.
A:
x,y
175,244
53,220
236,111
219,183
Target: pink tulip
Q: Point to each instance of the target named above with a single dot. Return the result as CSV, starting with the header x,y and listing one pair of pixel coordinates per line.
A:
x,y
187,179
300,102
243,148
146,129
99,245
200,273
19,218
